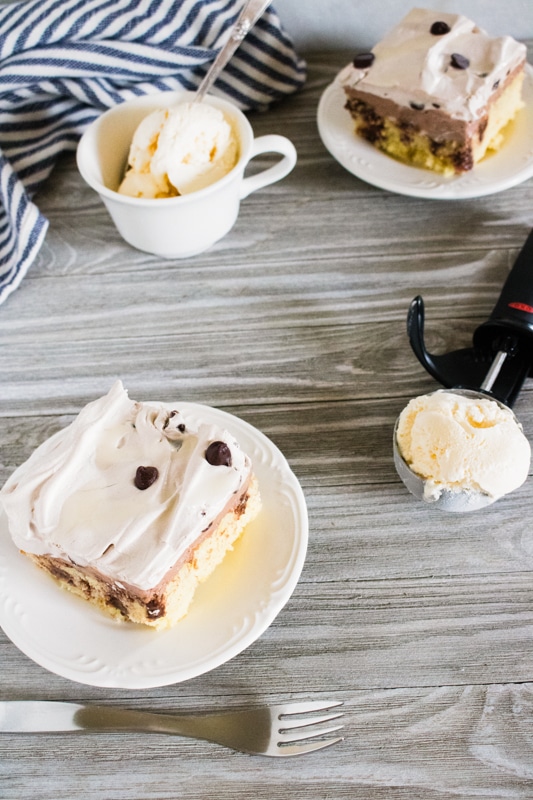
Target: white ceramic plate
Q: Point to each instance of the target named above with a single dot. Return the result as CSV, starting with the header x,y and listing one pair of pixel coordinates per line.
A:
x,y
512,165
230,610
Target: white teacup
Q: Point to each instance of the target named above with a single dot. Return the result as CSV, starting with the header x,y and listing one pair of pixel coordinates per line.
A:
x,y
174,227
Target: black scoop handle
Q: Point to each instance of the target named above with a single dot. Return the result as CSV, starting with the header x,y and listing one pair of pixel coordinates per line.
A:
x,y
509,329
513,313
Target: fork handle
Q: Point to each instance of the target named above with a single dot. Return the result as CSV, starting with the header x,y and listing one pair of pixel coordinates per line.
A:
x,y
47,716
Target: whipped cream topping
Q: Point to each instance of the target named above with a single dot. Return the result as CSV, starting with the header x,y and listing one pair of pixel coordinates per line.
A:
x,y
76,497
414,66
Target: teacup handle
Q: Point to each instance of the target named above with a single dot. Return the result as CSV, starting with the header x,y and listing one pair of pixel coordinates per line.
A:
x,y
269,144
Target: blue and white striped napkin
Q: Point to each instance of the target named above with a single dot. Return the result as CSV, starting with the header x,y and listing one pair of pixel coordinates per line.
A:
x,y
63,62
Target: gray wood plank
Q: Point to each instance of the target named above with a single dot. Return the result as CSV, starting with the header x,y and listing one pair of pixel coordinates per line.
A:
x,y
420,622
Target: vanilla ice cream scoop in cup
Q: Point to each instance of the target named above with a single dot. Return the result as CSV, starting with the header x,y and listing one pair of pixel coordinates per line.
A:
x,y
459,449
171,172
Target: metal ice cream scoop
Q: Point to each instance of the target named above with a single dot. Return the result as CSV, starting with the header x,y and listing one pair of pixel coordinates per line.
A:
x,y
495,367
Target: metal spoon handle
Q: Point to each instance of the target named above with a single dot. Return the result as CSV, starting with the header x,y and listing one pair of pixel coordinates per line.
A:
x,y
249,15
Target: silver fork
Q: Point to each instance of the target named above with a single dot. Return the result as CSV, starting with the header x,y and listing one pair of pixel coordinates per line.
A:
x,y
282,730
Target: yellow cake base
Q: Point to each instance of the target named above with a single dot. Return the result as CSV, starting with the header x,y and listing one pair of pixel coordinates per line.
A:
x,y
176,597
413,146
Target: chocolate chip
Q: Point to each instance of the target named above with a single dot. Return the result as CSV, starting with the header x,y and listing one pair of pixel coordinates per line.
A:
x,y
114,602
155,608
417,106
439,28
495,85
459,62
218,454
145,476
363,60
181,426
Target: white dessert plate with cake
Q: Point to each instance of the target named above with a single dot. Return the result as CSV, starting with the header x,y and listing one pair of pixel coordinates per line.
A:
x,y
510,166
231,609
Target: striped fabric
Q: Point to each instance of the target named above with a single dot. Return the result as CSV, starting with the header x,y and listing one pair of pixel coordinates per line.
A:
x,y
62,62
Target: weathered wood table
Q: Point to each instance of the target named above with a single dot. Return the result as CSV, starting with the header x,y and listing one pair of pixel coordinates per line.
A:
x,y
420,622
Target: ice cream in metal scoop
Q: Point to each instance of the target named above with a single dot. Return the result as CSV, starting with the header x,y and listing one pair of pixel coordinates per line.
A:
x,y
461,448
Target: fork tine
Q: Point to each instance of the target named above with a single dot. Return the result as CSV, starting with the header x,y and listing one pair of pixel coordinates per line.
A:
x,y
304,722
305,707
301,734
306,747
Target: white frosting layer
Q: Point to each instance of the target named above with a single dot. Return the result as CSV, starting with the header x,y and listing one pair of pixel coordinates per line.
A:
x,y
75,497
414,66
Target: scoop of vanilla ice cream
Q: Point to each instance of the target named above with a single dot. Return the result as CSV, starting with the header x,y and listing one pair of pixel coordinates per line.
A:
x,y
462,443
179,150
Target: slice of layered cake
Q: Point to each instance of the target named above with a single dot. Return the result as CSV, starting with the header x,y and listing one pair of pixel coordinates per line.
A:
x,y
436,92
132,505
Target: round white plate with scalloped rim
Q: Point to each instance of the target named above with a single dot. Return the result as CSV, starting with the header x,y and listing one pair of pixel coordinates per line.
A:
x,y
230,610
511,165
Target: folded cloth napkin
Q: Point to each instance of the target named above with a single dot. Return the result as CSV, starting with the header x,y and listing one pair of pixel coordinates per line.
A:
x,y
63,62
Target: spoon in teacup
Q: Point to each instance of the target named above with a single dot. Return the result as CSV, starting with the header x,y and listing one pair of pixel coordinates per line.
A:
x,y
251,12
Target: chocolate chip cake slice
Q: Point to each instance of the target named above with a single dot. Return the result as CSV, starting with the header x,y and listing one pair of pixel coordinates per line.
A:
x,y
132,505
436,92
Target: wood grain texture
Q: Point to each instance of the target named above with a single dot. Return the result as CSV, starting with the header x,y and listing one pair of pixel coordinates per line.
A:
x,y
421,623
